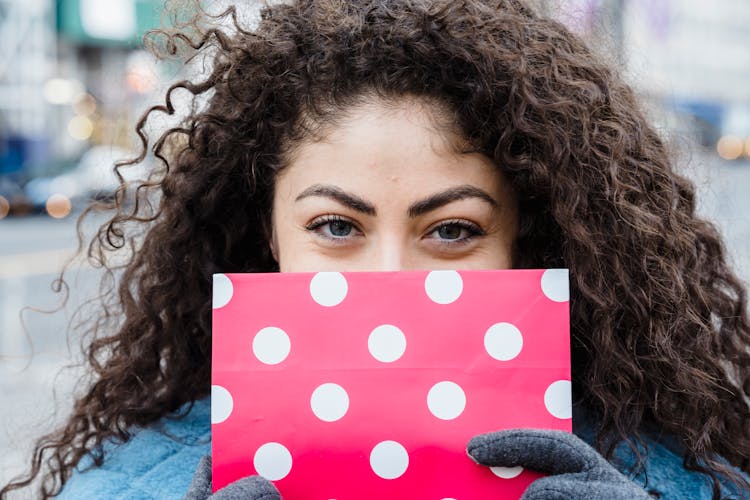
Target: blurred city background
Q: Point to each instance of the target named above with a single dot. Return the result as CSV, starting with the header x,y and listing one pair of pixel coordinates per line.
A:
x,y
74,78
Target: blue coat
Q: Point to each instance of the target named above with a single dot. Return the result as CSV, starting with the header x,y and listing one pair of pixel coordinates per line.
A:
x,y
159,461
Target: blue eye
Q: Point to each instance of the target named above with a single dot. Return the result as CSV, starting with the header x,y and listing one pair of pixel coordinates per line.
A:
x,y
332,227
339,228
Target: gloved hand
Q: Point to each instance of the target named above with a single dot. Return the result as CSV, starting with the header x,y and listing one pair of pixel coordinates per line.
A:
x,y
577,471
247,488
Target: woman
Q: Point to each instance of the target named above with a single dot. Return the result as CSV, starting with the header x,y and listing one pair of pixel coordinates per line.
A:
x,y
422,134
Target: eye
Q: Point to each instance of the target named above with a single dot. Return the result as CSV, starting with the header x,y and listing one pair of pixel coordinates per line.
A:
x,y
332,227
339,228
450,231
455,232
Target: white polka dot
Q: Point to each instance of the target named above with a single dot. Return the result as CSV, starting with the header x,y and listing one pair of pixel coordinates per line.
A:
x,y
555,285
503,341
386,343
389,459
558,400
221,404
328,288
273,461
329,402
271,345
507,472
446,400
443,287
223,290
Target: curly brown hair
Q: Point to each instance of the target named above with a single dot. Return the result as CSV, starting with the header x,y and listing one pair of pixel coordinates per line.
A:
x,y
660,331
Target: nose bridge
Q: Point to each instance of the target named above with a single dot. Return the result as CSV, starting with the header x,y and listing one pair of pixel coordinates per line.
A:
x,y
392,253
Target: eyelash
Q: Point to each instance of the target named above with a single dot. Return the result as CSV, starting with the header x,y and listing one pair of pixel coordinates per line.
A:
x,y
473,229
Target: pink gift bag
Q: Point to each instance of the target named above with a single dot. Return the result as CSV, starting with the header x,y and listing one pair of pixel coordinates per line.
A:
x,y
369,385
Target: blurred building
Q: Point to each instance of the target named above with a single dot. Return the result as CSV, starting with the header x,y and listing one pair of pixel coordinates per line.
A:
x,y
696,56
27,51
72,75
690,58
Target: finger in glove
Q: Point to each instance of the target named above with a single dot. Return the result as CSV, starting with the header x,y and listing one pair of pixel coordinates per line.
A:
x,y
548,451
247,488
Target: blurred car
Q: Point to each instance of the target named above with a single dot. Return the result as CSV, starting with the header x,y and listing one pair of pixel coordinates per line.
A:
x,y
93,178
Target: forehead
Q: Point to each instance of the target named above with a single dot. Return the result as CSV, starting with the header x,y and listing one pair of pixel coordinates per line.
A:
x,y
410,146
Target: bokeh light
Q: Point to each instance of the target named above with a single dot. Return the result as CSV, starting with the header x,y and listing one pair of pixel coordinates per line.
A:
x,y
141,76
61,90
729,147
58,206
80,127
4,207
84,104
747,147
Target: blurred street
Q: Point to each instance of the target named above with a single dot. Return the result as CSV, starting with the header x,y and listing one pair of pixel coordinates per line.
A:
x,y
34,345
724,198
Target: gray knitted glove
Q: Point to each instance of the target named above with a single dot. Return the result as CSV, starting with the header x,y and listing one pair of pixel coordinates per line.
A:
x,y
577,471
247,488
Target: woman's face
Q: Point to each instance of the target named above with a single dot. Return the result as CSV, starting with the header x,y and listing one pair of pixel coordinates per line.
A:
x,y
384,190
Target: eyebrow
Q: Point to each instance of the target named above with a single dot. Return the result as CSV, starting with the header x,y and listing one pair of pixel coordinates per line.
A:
x,y
450,195
416,209
327,191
